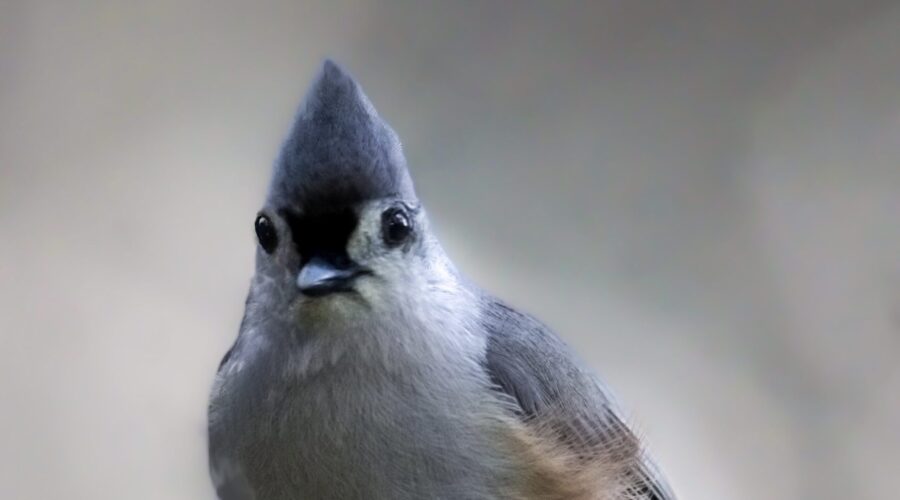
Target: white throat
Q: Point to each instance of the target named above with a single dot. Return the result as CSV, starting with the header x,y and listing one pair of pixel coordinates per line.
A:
x,y
431,316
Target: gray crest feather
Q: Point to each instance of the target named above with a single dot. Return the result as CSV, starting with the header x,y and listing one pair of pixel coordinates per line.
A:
x,y
339,151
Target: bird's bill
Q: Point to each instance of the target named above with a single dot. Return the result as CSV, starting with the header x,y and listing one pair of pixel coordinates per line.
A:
x,y
319,277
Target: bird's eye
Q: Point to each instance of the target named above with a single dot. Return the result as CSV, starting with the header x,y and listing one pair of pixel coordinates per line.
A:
x,y
395,226
266,234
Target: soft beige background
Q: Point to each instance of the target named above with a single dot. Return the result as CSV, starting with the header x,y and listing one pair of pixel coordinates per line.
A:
x,y
702,197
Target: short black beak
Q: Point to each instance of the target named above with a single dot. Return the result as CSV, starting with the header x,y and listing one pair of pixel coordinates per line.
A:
x,y
319,277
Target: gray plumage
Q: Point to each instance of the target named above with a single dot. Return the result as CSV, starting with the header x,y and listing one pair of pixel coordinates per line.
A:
x,y
367,367
339,151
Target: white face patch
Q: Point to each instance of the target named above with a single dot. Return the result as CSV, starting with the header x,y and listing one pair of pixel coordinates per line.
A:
x,y
394,267
410,299
366,242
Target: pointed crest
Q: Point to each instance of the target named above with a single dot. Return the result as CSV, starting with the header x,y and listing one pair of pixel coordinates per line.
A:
x,y
339,152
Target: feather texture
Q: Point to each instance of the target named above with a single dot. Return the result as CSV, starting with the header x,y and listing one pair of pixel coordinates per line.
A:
x,y
572,423
339,151
410,382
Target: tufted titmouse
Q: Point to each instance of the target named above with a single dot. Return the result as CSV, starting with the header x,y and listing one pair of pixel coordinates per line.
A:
x,y
367,367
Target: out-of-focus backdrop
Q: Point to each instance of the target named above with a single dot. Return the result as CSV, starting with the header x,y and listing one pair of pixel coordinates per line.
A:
x,y
703,197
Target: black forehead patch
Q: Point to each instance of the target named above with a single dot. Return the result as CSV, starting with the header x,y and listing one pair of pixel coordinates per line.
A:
x,y
339,151
322,234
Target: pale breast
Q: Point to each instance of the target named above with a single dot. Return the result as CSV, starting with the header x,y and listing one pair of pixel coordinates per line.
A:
x,y
353,430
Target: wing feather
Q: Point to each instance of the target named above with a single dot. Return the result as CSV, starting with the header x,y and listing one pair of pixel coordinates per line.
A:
x,y
533,368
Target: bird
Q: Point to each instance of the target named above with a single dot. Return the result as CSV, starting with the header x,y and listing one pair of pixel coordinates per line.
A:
x,y
367,366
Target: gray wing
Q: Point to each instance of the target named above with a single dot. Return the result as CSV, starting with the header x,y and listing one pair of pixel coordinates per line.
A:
x,y
536,370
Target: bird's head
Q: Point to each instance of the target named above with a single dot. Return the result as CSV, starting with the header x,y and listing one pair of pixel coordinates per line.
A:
x,y
342,227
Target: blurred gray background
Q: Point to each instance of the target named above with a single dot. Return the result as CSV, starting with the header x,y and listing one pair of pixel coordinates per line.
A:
x,y
702,197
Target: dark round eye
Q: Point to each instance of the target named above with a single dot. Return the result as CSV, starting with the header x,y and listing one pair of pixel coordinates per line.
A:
x,y
395,226
266,234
